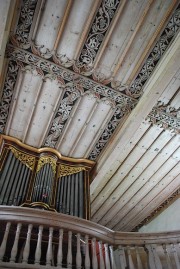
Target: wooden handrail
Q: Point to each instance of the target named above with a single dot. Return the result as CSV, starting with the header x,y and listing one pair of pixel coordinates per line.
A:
x,y
77,225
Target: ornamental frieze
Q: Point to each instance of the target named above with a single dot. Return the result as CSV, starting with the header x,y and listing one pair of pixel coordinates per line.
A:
x,y
166,117
66,75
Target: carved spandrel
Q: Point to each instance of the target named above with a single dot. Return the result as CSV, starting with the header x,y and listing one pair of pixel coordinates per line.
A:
x,y
65,170
26,159
44,160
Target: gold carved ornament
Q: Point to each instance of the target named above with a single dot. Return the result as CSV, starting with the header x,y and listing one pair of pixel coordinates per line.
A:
x,y
44,160
65,170
26,159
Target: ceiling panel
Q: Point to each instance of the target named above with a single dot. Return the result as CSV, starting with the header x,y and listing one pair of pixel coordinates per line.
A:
x,y
100,80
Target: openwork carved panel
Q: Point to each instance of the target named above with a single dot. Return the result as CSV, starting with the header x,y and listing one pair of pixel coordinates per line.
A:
x,y
65,170
97,33
71,94
166,117
21,37
44,160
25,158
6,99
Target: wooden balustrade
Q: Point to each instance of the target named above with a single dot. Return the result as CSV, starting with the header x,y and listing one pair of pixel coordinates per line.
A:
x,y
32,238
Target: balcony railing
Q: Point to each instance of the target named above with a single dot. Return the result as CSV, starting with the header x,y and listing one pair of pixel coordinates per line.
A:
x,y
32,238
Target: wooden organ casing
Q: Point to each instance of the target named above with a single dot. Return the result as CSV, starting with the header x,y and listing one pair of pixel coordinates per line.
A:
x,y
43,178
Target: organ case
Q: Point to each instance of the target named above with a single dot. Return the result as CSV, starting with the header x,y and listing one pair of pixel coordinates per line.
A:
x,y
43,178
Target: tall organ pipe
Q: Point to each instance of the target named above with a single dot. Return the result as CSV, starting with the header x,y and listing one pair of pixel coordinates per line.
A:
x,y
68,194
61,194
5,170
76,195
10,182
6,180
72,195
15,183
15,202
64,195
81,194
24,178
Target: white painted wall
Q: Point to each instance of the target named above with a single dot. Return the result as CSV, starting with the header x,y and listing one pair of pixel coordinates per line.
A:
x,y
168,220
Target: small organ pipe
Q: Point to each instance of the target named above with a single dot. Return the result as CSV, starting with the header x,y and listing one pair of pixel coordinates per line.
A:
x,y
6,169
16,202
76,196
81,195
5,184
57,195
68,195
24,178
26,185
64,195
41,183
72,195
61,195
15,184
10,183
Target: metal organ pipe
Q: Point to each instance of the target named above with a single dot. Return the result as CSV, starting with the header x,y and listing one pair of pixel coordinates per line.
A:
x,y
81,195
64,195
68,195
72,195
61,194
6,179
16,201
76,195
15,183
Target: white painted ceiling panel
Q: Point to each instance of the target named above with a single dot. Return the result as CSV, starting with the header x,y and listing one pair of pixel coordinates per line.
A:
x,y
24,104
48,97
148,204
121,36
170,91
49,24
142,39
74,27
143,188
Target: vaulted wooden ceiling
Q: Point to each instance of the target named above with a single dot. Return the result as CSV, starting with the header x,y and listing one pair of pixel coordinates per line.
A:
x,y
98,80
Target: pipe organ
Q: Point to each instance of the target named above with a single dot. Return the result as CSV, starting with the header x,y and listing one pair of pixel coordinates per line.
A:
x,y
43,178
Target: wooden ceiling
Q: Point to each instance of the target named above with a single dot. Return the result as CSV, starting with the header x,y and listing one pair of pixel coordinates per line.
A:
x,y
98,80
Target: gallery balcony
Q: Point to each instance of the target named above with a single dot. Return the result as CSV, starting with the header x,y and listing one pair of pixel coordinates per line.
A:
x,y
36,238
